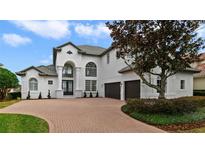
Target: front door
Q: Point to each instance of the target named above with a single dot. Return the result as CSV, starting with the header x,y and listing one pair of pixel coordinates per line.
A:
x,y
67,87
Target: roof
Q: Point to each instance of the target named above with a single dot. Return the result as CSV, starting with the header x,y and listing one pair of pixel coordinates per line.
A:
x,y
82,49
201,56
127,69
43,70
200,74
91,50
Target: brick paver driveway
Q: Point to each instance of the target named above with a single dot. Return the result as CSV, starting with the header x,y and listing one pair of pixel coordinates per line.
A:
x,y
81,115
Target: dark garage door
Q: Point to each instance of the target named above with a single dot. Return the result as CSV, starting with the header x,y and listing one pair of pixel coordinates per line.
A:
x,y
112,90
132,89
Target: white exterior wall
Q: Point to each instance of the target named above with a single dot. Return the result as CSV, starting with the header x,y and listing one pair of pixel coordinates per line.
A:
x,y
80,61
106,73
43,86
110,74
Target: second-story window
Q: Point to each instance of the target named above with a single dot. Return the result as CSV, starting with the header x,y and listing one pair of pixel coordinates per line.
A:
x,y
108,58
91,69
68,70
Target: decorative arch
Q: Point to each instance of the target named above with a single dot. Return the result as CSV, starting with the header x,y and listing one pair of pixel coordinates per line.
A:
x,y
91,69
68,70
33,84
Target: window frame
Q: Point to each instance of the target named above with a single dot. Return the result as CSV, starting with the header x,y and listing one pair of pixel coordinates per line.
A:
x,y
91,71
91,86
108,58
65,71
50,82
33,85
182,84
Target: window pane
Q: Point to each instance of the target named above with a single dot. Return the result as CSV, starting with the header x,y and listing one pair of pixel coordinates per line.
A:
x,y
182,84
94,85
91,69
33,84
87,85
108,58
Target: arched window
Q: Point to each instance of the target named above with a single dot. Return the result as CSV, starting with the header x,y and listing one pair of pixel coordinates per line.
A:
x,y
91,69
33,84
68,70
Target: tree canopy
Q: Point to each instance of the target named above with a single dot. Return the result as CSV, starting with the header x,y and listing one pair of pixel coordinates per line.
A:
x,y
169,45
8,80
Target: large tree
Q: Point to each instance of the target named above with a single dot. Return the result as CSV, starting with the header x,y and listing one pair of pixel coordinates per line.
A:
x,y
8,80
148,45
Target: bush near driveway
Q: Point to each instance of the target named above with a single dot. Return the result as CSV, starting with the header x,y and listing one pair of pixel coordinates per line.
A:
x,y
170,107
185,110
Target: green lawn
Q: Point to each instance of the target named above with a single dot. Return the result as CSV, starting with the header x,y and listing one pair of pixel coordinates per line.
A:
x,y
19,123
6,103
161,119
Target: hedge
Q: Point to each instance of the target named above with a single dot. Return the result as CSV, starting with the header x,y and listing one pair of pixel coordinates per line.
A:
x,y
166,106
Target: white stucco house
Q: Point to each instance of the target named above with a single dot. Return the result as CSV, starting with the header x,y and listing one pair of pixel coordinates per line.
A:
x,y
85,68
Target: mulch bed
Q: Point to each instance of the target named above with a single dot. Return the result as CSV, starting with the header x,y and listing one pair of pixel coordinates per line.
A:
x,y
182,127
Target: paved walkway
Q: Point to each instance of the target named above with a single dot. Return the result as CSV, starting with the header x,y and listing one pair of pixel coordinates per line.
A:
x,y
89,115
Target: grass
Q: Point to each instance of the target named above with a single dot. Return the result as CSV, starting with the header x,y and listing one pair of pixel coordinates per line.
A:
x,y
162,119
6,103
19,123
196,130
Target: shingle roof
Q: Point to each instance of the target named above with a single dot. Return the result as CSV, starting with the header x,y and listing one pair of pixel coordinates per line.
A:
x,y
91,50
48,70
43,70
127,69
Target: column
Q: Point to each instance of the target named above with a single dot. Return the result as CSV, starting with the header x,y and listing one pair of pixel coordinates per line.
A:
x,y
59,70
78,78
122,91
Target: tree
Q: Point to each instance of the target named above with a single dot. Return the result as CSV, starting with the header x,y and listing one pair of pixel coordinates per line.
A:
x,y
8,80
156,47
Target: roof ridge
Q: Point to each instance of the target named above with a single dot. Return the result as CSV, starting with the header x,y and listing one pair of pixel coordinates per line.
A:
x,y
91,46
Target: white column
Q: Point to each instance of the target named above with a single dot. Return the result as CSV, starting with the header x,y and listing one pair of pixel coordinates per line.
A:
x,y
59,70
122,91
78,74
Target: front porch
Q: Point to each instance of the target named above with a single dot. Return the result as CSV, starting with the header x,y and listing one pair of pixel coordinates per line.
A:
x,y
69,85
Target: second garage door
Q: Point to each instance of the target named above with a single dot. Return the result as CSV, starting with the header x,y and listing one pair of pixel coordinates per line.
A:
x,y
112,90
132,89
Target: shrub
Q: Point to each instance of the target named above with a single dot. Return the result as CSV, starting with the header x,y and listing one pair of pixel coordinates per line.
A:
x,y
97,95
28,96
40,97
91,95
49,94
157,106
85,95
14,95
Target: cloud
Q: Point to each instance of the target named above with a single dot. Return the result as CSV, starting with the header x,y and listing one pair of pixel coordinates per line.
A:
x,y
47,61
99,30
15,39
47,29
201,31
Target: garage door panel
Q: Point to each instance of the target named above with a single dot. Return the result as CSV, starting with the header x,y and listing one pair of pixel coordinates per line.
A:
x,y
132,89
112,90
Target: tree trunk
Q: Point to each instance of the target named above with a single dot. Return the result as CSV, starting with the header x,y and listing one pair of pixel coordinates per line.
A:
x,y
162,89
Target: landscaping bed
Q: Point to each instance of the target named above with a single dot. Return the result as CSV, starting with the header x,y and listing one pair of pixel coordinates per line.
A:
x,y
175,115
19,123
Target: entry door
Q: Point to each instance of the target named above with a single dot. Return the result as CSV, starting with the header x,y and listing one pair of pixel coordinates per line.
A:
x,y
67,87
